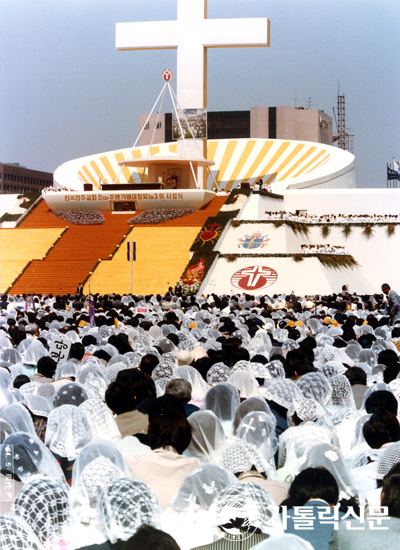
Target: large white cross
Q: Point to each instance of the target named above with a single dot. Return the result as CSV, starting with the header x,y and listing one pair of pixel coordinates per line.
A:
x,y
191,35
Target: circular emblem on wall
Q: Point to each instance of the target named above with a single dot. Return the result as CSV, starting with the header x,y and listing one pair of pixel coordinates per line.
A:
x,y
254,277
167,74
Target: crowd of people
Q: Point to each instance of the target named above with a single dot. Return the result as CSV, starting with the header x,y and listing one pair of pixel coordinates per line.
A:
x,y
302,217
322,249
213,422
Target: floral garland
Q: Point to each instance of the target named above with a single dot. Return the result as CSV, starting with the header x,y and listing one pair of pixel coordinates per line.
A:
x,y
347,229
337,262
77,217
195,272
325,231
231,258
298,227
298,257
368,231
390,229
160,215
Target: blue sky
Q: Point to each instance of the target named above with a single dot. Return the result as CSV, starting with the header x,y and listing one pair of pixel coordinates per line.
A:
x,y
66,92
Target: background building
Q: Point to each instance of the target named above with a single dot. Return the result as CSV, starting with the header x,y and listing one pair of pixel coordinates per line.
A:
x,y
294,123
18,179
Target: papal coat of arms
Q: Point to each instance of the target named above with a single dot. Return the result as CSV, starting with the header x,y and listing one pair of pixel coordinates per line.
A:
x,y
256,240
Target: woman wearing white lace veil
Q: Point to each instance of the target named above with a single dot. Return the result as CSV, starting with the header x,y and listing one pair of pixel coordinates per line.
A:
x,y
16,533
39,407
330,457
70,394
18,417
65,373
98,464
5,379
187,516
258,429
241,457
316,386
299,438
44,504
155,332
388,458
126,504
342,395
199,385
101,420
29,457
93,380
245,383
208,437
223,400
219,372
68,431
32,354
250,405
5,430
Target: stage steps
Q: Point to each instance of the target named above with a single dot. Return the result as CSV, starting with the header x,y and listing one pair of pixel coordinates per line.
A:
x,y
82,249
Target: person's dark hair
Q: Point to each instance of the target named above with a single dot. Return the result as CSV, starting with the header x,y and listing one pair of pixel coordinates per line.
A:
x,y
366,340
17,335
391,491
396,332
169,428
348,332
173,337
391,373
181,388
20,380
150,538
46,366
142,386
388,357
356,375
258,358
312,483
294,363
89,340
381,428
148,363
165,403
381,400
77,351
121,342
119,397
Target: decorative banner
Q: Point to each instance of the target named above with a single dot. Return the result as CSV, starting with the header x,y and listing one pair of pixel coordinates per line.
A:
x,y
256,240
254,277
193,123
194,273
210,233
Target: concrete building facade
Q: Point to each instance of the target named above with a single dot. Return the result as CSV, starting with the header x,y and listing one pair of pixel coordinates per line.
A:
x,y
17,179
260,122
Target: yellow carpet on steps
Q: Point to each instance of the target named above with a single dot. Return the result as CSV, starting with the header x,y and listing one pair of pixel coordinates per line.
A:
x,y
162,254
18,247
